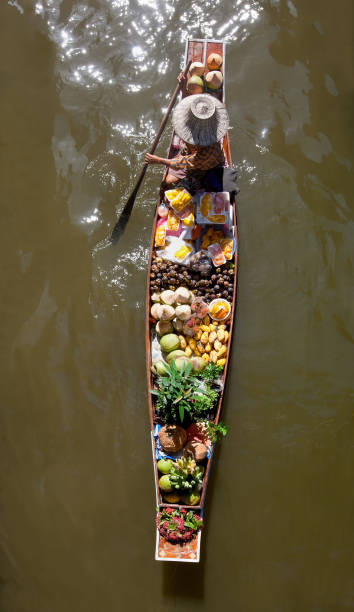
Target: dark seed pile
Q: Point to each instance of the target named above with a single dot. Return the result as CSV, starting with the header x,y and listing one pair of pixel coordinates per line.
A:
x,y
168,275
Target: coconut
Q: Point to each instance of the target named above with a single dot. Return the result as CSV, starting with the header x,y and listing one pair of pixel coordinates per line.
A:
x,y
164,466
198,364
214,79
164,484
196,68
214,61
169,342
190,499
163,327
168,297
155,298
159,367
156,311
172,438
183,312
174,354
167,312
195,85
177,324
198,431
183,295
181,361
195,449
171,498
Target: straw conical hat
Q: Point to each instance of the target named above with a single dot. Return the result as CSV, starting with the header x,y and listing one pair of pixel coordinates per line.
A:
x,y
200,119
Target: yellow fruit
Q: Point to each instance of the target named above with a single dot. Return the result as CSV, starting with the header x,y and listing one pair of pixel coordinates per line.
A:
x,y
205,328
212,337
221,362
182,252
217,345
222,352
199,334
182,342
208,347
200,348
172,193
221,335
214,356
192,343
188,351
226,336
205,204
204,337
217,219
206,320
205,356
181,200
197,353
188,221
160,236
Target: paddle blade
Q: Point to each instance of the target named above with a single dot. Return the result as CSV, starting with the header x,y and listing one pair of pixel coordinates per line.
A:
x,y
123,219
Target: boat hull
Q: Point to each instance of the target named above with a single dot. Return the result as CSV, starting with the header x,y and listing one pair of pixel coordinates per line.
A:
x,y
196,50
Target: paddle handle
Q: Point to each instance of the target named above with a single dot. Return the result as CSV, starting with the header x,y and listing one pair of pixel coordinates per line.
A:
x,y
161,128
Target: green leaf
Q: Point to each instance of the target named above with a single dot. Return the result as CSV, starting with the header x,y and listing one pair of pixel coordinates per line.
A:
x,y
181,412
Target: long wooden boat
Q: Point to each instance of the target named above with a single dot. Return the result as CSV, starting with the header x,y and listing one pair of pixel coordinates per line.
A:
x,y
189,551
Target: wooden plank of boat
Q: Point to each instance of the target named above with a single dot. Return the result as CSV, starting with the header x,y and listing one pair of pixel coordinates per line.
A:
x,y
196,50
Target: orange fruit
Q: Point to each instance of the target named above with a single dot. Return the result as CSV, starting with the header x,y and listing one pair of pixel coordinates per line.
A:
x,y
205,204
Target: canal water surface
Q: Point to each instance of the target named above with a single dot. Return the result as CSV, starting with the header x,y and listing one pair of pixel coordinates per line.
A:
x,y
84,84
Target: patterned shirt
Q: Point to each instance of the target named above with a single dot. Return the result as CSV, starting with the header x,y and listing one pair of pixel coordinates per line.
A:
x,y
199,158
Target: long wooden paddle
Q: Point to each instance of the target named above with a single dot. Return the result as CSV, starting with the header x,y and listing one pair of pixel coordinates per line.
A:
x,y
126,212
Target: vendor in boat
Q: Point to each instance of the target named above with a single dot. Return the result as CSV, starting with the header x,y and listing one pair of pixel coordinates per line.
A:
x,y
201,121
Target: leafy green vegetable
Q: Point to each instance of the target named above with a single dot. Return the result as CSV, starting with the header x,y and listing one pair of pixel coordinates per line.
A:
x,y
211,372
216,431
182,393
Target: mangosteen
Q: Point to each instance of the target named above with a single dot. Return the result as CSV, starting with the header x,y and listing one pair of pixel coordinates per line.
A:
x,y
216,288
225,294
212,296
218,270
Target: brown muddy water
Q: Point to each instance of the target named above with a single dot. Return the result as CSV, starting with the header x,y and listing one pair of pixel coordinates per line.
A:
x,y
83,83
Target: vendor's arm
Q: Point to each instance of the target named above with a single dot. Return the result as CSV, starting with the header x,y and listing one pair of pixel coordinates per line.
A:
x,y
154,159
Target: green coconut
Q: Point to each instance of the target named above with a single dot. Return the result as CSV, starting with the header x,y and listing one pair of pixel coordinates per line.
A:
x,y
180,361
164,484
174,355
214,79
191,499
159,368
171,498
169,342
195,85
164,466
198,364
196,68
